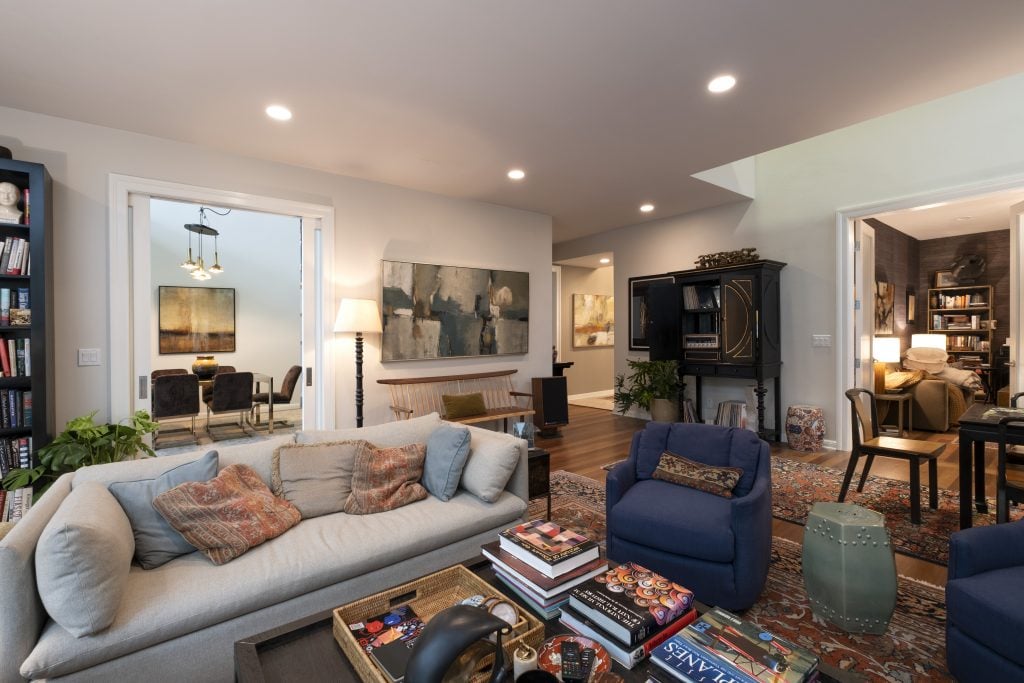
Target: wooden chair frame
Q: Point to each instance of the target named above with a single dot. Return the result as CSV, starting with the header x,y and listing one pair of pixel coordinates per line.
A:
x,y
422,395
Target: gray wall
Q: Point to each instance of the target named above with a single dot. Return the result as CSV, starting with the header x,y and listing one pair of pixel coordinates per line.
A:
x,y
897,261
594,368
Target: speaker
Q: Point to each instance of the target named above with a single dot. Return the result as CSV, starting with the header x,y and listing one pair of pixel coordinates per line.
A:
x,y
550,402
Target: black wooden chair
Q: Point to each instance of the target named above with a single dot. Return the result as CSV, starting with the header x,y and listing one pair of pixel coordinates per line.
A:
x,y
175,395
865,419
231,391
282,397
1008,491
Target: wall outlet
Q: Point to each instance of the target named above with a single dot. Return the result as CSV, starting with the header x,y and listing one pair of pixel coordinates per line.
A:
x,y
821,340
88,357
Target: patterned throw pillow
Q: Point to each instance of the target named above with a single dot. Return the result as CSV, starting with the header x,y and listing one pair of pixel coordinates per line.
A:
x,y
386,478
696,475
227,515
463,405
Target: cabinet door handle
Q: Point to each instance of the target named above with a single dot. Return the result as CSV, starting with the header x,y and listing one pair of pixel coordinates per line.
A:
x,y
757,324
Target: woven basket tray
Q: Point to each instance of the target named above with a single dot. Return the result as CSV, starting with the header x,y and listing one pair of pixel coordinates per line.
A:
x,y
428,596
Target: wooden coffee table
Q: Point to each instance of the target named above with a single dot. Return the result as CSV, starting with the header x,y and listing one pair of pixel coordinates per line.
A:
x,y
305,650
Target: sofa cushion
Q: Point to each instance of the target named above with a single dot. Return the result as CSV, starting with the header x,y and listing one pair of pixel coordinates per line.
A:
x,y
386,478
189,593
457,406
228,515
492,460
675,519
315,478
398,433
719,481
988,608
82,560
447,452
156,541
709,444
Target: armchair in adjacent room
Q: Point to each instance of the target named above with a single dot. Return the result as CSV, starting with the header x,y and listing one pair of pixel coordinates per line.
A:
x,y
718,547
985,604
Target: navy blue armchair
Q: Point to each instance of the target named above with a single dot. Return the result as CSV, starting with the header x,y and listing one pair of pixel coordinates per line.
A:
x,y
717,547
985,604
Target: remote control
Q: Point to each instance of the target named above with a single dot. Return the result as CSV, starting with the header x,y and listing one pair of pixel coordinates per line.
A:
x,y
572,668
587,661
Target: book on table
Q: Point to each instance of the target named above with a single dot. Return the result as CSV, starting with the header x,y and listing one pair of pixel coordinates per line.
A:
x,y
631,602
627,656
388,639
539,583
547,609
683,660
547,547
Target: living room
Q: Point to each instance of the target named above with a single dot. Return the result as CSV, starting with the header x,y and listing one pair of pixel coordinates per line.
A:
x,y
407,120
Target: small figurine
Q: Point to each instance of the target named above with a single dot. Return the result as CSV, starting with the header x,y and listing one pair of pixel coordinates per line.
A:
x,y
9,195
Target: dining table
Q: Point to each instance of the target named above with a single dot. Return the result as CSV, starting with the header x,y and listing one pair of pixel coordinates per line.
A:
x,y
978,426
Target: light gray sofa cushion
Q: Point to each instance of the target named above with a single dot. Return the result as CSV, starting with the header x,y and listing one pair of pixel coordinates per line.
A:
x,y
188,593
156,542
492,459
398,433
82,560
447,451
316,478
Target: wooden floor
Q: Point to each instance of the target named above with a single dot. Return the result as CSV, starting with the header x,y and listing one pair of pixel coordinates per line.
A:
x,y
597,437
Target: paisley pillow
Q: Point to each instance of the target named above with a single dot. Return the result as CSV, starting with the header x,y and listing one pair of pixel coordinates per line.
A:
x,y
696,475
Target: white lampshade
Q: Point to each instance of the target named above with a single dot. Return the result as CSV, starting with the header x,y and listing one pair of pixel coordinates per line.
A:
x,y
358,315
928,341
887,349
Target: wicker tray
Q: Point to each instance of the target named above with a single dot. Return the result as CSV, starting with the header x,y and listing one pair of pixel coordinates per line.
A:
x,y
428,596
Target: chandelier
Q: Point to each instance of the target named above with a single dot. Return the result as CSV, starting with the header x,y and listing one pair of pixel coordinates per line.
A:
x,y
196,267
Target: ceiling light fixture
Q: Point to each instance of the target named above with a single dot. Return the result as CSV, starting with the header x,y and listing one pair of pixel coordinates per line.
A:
x,y
197,269
646,208
516,174
723,83
605,261
279,112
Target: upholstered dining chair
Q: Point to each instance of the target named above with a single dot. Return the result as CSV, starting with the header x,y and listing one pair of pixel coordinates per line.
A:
x,y
868,442
219,371
231,391
282,397
175,395
169,371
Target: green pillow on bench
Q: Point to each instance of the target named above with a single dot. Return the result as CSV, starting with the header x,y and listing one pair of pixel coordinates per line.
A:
x,y
457,406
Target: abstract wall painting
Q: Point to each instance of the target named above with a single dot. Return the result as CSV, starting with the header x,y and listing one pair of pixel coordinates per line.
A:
x,y
884,299
593,320
433,311
196,320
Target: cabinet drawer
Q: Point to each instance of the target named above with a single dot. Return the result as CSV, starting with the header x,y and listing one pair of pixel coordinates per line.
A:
x,y
695,369
735,371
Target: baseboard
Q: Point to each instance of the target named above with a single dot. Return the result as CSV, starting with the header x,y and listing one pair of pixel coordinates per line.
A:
x,y
830,444
593,394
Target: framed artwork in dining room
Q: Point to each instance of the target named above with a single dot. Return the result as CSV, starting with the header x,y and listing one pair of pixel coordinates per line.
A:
x,y
639,315
196,320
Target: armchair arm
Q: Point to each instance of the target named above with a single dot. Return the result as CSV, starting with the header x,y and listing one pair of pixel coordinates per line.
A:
x,y
516,395
752,530
620,478
401,413
983,549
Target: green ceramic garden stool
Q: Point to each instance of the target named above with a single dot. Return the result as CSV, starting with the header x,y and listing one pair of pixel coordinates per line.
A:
x,y
849,568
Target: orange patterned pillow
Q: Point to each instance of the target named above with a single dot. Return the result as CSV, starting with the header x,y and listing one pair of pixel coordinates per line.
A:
x,y
386,478
227,515
697,475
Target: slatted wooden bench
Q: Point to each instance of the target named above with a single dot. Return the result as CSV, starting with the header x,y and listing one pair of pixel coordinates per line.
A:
x,y
416,396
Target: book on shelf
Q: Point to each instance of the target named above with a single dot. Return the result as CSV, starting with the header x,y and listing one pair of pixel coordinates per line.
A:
x,y
682,660
631,602
17,503
539,583
732,414
547,547
749,649
27,213
627,656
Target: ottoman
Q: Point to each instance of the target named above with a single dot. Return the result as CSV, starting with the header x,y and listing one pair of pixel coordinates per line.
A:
x,y
805,428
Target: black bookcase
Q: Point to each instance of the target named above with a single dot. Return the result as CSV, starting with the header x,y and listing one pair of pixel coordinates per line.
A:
x,y
722,322
37,232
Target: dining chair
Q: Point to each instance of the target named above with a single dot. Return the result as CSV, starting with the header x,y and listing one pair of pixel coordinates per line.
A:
x,y
208,389
169,371
175,395
282,397
231,391
871,444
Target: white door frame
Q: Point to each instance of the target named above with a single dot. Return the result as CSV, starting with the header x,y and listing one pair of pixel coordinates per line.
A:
x,y
557,308
844,370
121,373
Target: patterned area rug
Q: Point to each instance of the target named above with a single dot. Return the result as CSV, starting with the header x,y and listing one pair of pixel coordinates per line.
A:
x,y
796,486
913,649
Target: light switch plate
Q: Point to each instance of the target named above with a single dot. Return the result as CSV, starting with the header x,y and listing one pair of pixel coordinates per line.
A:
x,y
88,357
821,340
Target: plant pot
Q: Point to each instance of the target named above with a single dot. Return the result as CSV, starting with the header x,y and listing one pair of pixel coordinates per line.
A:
x,y
664,410
205,367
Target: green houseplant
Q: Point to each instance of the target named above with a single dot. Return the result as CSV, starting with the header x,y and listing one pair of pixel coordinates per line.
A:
x,y
650,384
83,442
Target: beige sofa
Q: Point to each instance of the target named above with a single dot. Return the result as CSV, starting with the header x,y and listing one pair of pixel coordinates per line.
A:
x,y
178,622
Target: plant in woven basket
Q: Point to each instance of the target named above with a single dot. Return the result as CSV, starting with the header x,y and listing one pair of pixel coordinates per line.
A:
x,y
646,381
82,443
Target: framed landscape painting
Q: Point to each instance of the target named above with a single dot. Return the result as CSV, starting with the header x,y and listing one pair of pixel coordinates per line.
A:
x,y
433,311
638,311
196,320
593,320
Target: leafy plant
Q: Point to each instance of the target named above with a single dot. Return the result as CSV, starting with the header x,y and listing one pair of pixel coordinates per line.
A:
x,y
82,443
646,381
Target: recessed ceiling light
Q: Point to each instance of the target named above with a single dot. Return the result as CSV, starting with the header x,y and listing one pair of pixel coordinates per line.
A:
x,y
279,112
722,83
605,260
516,174
647,208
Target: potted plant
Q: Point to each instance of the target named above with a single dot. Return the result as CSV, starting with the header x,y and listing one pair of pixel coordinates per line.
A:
x,y
652,385
83,442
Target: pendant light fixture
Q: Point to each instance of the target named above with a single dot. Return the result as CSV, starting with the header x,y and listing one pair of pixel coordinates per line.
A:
x,y
197,268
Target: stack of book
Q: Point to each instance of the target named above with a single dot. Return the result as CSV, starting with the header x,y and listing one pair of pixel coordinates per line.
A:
x,y
15,504
14,256
630,610
732,414
722,647
541,562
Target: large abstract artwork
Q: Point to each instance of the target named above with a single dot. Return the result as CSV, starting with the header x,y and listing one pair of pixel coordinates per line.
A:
x,y
197,320
593,320
435,311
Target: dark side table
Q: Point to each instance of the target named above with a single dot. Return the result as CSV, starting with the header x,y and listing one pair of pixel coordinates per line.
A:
x,y
539,475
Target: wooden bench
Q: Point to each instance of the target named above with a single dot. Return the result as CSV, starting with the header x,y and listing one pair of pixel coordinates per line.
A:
x,y
422,395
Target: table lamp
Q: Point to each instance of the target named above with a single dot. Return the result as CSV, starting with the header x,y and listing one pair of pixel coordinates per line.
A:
x,y
359,316
886,350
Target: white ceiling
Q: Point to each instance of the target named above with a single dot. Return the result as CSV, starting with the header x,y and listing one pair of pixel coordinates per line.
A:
x,y
603,102
980,214
589,261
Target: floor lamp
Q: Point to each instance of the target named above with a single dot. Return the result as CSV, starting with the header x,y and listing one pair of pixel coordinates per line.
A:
x,y
359,316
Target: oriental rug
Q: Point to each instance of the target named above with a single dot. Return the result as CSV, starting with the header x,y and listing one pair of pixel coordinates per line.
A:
x,y
913,648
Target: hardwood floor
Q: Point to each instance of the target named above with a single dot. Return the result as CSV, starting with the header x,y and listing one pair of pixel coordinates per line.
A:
x,y
596,437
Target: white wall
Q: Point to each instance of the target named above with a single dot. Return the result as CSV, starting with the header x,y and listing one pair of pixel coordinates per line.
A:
x,y
261,255
372,221
594,367
969,137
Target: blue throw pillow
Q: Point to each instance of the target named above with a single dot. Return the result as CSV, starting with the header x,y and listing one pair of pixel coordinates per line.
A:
x,y
447,452
156,541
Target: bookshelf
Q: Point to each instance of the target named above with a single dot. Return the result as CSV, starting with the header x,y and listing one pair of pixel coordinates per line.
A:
x,y
964,315
30,341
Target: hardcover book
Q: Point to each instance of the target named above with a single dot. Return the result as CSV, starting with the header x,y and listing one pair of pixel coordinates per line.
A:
x,y
631,602
684,660
626,656
540,583
547,547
